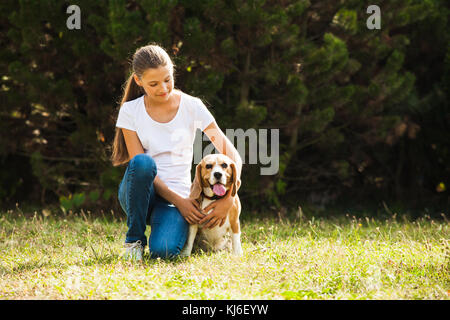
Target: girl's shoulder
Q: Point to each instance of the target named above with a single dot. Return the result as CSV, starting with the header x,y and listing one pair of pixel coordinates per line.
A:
x,y
190,100
132,104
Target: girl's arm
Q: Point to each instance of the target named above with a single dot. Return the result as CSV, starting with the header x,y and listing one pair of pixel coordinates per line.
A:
x,y
223,145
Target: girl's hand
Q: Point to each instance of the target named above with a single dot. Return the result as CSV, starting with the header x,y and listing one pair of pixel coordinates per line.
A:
x,y
219,214
190,210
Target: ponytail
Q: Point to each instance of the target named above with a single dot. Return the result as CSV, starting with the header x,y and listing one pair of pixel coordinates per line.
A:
x,y
132,90
120,153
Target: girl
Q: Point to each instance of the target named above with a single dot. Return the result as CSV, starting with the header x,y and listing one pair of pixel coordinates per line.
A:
x,y
155,132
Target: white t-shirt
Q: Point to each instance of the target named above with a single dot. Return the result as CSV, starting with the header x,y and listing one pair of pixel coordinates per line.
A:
x,y
169,144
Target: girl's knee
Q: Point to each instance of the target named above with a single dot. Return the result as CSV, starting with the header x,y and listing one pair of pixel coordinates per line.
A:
x,y
169,231
164,250
164,246
143,164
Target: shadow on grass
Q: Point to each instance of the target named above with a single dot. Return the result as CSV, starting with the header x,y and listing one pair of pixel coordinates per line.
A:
x,y
27,266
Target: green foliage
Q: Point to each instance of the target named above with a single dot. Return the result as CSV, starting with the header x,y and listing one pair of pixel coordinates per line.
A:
x,y
346,19
72,202
354,106
79,201
94,195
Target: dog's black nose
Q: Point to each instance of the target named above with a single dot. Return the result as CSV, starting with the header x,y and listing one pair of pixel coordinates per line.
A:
x,y
217,175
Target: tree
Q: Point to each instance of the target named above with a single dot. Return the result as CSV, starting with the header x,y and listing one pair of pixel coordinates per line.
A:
x,y
361,112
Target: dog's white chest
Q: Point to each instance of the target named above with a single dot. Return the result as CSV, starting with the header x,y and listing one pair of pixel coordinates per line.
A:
x,y
216,237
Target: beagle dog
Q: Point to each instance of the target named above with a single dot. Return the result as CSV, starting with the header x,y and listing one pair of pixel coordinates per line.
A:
x,y
215,175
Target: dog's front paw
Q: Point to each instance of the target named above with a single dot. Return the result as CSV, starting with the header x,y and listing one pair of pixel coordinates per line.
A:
x,y
238,252
236,245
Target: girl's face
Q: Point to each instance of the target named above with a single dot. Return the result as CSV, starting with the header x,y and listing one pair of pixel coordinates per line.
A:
x,y
157,83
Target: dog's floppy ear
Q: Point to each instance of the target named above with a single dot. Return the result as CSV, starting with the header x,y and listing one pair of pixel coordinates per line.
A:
x,y
197,184
236,181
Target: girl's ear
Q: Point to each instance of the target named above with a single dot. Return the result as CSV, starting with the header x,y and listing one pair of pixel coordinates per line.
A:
x,y
236,181
197,184
136,79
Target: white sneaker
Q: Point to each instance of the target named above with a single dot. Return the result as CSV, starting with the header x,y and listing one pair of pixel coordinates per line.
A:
x,y
134,251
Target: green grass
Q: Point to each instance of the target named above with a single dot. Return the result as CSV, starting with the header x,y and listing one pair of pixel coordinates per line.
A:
x,y
78,257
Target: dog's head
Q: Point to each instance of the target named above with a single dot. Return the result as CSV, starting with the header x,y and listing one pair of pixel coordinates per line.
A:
x,y
215,175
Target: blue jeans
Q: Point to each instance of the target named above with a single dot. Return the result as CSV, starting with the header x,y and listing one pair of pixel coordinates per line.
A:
x,y
144,206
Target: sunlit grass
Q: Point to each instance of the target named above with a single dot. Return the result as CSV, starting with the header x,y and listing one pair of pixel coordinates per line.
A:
x,y
79,257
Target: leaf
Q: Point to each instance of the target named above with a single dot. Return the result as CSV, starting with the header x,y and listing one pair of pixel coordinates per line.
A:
x,y
107,194
66,203
78,199
94,195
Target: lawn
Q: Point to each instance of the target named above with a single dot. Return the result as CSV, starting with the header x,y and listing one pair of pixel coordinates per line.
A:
x,y
49,256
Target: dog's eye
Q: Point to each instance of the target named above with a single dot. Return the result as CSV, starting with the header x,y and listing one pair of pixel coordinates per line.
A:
x,y
208,166
224,165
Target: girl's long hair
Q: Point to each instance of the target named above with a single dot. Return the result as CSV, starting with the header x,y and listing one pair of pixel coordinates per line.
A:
x,y
150,56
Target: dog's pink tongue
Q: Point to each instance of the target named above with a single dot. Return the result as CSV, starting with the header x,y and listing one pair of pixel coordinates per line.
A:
x,y
219,189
